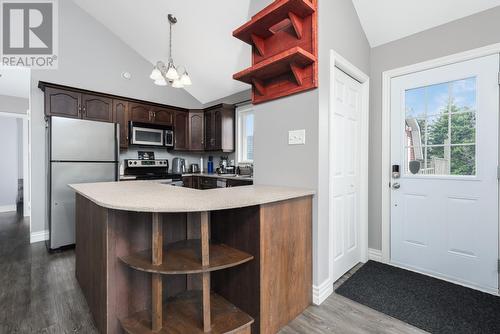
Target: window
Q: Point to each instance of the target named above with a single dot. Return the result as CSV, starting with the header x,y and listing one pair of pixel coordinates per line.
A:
x,y
440,129
244,146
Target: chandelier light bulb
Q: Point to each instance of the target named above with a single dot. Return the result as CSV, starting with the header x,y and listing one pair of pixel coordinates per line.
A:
x,y
172,73
156,74
161,82
177,84
185,79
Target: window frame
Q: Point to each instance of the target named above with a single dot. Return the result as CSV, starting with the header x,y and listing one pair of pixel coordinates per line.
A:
x,y
241,113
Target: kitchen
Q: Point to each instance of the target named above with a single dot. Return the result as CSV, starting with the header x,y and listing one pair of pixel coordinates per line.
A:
x,y
251,166
90,136
160,143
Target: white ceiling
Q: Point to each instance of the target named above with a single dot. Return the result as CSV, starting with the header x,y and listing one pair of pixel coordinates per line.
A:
x,y
202,38
15,81
388,20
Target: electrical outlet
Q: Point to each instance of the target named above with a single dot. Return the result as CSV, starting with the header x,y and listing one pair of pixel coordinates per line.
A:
x,y
296,137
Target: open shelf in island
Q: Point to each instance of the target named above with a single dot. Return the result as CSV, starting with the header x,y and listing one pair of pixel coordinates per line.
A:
x,y
184,257
181,315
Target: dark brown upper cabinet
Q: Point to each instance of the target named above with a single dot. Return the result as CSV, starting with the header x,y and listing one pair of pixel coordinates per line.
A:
x,y
196,133
210,129
140,112
121,116
162,116
219,128
97,108
181,130
63,103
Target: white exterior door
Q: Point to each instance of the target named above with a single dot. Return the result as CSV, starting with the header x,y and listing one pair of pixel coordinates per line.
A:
x,y
345,183
444,205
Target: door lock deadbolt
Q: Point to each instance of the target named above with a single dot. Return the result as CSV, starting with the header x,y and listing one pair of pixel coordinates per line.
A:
x,y
395,172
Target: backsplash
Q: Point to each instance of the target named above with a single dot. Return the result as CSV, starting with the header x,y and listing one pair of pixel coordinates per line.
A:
x,y
190,158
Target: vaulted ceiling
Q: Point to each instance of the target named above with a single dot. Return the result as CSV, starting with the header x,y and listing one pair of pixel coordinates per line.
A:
x,y
203,39
388,20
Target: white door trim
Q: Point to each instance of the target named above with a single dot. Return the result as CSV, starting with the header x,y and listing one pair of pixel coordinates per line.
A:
x,y
343,64
386,126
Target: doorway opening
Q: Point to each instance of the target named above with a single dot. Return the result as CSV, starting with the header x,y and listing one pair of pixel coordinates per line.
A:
x,y
440,153
14,141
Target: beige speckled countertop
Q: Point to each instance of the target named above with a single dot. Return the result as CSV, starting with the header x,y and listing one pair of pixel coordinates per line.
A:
x,y
144,196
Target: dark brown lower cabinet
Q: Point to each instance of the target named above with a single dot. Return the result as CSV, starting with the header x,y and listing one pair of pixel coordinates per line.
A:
x,y
203,182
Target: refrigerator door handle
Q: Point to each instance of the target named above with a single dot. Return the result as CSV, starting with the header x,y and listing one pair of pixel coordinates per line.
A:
x,y
117,152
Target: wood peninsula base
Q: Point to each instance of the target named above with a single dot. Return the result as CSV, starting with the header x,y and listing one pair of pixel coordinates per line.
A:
x,y
239,270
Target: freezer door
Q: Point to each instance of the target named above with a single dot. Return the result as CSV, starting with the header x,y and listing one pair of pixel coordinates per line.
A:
x,y
62,206
82,140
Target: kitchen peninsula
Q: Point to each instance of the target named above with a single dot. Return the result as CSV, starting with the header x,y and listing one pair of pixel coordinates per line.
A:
x,y
153,258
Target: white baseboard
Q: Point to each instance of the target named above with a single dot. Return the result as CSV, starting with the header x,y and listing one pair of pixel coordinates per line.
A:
x,y
321,292
39,236
375,254
8,208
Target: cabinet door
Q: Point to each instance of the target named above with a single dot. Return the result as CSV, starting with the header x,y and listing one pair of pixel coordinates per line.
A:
x,y
181,141
63,103
209,139
162,116
120,116
196,135
140,113
97,108
187,182
217,129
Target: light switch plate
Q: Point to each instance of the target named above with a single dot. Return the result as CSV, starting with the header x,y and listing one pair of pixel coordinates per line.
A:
x,y
296,137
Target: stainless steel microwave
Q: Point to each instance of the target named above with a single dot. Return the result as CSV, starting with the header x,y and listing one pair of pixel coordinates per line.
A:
x,y
150,135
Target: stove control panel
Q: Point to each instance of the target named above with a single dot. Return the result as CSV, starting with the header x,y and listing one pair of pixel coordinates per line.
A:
x,y
147,163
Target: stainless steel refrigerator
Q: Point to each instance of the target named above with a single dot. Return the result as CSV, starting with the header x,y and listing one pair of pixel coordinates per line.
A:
x,y
79,151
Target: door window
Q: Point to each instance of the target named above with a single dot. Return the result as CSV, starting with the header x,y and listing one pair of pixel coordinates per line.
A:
x,y
440,129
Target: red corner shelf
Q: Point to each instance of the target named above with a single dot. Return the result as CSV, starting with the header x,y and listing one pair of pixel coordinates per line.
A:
x,y
260,25
290,61
284,49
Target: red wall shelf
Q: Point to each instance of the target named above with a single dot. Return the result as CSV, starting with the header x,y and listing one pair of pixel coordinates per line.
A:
x,y
284,49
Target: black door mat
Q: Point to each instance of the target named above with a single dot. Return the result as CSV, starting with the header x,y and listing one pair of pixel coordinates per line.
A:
x,y
430,304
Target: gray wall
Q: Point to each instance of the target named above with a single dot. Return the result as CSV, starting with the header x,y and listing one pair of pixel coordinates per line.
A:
x,y
14,104
90,57
465,34
276,162
9,166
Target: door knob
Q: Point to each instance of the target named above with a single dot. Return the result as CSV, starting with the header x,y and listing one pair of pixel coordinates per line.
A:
x,y
396,186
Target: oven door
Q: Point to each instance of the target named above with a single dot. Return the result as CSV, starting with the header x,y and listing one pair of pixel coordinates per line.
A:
x,y
147,136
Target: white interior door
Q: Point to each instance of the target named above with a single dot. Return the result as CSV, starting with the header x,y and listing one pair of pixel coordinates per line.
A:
x,y
444,206
345,186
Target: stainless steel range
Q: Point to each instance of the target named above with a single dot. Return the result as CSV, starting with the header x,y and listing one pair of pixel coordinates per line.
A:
x,y
151,170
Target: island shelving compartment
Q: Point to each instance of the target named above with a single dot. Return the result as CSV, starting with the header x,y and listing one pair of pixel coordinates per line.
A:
x,y
245,269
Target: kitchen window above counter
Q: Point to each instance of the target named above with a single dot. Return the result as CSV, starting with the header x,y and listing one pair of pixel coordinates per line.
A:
x,y
245,134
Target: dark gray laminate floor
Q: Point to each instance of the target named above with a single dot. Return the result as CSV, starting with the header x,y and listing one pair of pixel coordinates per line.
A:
x,y
38,291
39,294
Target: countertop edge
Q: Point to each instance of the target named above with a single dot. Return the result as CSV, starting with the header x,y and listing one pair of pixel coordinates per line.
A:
x,y
294,193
